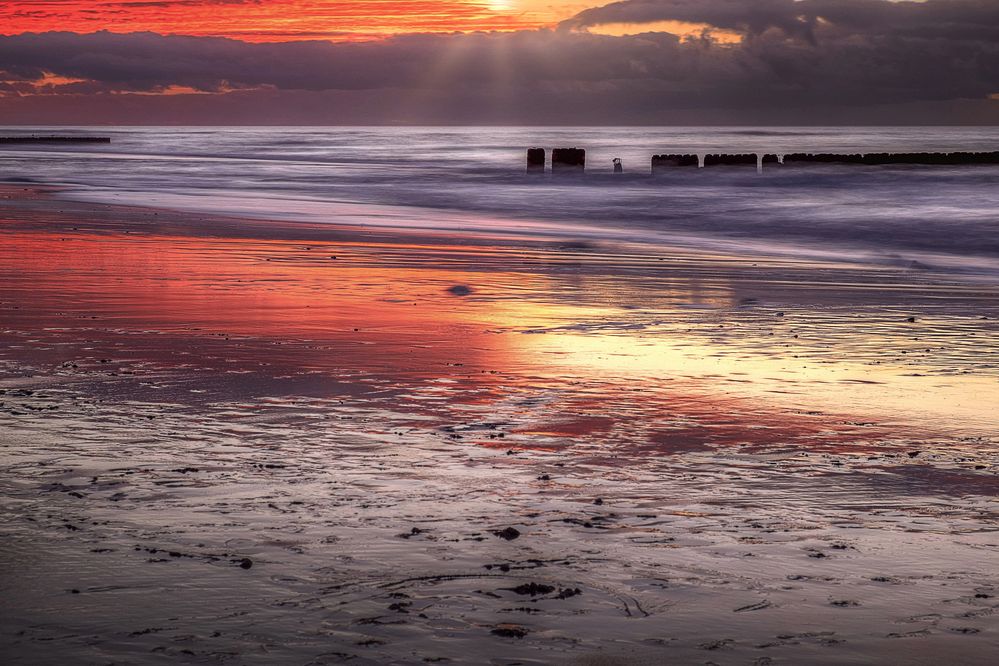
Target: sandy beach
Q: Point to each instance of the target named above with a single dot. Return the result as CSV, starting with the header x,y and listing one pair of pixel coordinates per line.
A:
x,y
246,441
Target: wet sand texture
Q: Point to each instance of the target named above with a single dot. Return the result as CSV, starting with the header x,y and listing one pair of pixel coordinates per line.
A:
x,y
225,441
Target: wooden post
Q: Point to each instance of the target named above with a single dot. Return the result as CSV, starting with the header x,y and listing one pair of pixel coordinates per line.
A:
x,y
536,160
568,160
660,163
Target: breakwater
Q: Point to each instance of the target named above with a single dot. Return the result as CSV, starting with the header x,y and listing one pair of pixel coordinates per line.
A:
x,y
53,139
574,160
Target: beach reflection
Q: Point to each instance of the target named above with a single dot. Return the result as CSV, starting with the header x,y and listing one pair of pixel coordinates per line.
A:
x,y
476,321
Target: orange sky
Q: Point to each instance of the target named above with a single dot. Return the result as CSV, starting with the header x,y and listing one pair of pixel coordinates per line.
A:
x,y
280,20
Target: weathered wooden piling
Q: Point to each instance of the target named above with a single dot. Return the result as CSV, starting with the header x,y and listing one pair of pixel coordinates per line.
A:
x,y
952,159
725,159
660,163
568,160
536,160
823,158
573,160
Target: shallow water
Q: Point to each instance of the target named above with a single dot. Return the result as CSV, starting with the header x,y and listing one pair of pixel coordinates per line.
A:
x,y
472,178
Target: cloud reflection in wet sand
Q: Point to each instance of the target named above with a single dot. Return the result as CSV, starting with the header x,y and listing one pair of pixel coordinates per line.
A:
x,y
329,409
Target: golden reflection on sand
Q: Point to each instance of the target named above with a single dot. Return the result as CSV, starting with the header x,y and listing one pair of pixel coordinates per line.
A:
x,y
793,380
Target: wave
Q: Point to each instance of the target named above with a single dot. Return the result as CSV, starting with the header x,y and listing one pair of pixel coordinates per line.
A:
x,y
932,218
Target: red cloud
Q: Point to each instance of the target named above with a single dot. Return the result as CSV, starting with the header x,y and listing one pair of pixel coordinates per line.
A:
x,y
265,20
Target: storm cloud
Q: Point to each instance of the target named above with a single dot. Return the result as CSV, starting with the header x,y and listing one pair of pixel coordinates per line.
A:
x,y
959,20
805,56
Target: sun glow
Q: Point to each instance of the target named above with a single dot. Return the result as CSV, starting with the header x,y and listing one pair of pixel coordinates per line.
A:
x,y
682,29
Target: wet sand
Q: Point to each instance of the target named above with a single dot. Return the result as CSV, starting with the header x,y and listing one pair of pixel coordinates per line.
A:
x,y
249,442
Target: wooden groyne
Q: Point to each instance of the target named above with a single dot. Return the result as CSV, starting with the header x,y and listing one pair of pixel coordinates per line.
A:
x,y
875,159
743,159
573,160
54,139
564,160
568,160
894,158
663,162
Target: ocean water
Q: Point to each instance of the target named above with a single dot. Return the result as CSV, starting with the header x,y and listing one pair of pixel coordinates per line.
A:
x,y
472,179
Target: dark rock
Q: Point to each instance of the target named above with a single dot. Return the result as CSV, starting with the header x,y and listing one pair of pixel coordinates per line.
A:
x,y
508,533
532,589
510,631
460,290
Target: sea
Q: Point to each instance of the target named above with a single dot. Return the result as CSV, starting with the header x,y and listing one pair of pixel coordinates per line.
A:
x,y
473,179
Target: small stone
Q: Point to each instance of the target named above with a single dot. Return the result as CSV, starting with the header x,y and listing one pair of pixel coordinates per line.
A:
x,y
508,533
510,631
532,589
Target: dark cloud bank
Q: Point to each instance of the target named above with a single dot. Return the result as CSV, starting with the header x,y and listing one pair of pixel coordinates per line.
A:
x,y
807,62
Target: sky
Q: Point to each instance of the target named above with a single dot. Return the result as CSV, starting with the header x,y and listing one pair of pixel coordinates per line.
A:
x,y
508,62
